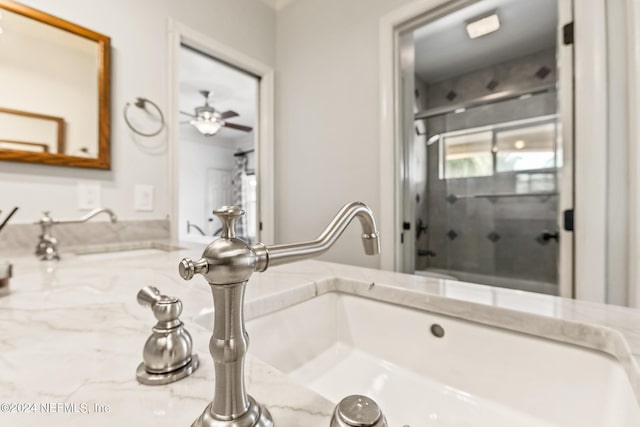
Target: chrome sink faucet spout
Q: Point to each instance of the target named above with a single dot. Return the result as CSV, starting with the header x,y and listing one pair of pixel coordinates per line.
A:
x,y
227,264
47,248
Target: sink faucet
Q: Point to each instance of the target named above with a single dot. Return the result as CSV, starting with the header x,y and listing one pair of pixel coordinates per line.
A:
x,y
227,264
47,248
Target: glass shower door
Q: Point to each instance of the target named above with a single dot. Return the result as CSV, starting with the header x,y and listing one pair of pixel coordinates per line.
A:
x,y
500,188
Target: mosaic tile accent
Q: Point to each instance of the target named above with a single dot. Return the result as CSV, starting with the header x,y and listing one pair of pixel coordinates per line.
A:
x,y
543,72
493,236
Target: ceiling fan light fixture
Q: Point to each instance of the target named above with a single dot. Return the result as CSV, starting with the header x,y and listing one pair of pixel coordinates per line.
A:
x,y
207,126
483,25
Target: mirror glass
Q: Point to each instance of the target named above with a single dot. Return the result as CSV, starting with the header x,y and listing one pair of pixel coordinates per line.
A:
x,y
54,97
487,159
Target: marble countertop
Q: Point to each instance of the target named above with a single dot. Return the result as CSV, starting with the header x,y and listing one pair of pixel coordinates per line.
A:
x,y
72,334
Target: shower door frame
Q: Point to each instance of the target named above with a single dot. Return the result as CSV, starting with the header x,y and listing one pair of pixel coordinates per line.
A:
x,y
393,137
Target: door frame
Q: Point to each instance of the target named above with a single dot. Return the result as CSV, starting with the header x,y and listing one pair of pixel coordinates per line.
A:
x,y
632,103
179,33
589,260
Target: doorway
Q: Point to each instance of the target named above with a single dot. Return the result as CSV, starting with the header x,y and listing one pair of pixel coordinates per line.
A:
x,y
221,140
218,106
486,153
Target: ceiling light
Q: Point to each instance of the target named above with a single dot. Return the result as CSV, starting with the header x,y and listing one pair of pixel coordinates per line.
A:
x,y
206,127
479,27
519,144
207,123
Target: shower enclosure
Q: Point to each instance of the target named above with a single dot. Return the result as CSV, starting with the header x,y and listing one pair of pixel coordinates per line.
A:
x,y
488,151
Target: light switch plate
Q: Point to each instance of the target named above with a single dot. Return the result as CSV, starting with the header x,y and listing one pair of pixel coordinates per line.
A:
x,y
89,196
143,197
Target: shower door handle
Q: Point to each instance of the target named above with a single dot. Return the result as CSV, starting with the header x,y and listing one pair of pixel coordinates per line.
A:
x,y
546,236
568,220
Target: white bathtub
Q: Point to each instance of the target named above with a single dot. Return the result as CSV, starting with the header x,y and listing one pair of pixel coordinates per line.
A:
x,y
473,376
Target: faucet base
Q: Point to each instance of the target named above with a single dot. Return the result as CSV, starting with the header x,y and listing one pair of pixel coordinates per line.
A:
x,y
256,416
147,378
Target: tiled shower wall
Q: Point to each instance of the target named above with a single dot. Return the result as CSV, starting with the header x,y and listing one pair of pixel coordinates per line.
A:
x,y
489,236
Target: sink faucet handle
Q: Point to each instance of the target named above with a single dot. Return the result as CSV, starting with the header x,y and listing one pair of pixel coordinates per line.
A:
x,y
165,308
228,216
188,268
167,355
148,296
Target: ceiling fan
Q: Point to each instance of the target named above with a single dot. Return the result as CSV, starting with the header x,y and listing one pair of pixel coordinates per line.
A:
x,y
209,121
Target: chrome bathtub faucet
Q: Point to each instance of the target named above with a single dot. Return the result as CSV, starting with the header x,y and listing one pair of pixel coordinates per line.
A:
x,y
227,264
47,248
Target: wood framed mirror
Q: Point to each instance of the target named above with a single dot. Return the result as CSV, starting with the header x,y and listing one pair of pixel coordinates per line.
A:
x,y
54,90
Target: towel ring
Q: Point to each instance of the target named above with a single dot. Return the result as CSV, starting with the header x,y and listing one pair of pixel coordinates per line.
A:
x,y
141,103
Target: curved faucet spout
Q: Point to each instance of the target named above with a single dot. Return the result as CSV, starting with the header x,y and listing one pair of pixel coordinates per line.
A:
x,y
47,248
87,217
290,252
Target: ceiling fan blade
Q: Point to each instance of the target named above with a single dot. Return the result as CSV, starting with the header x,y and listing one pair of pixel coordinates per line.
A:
x,y
187,114
238,127
228,114
185,122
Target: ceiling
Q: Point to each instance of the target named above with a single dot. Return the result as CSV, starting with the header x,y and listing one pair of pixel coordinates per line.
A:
x,y
443,49
231,89
277,4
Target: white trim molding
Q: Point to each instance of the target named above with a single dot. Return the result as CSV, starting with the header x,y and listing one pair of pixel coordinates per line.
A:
x,y
179,33
590,155
633,111
390,114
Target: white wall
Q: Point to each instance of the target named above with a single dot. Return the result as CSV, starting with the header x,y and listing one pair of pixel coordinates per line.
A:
x,y
138,31
327,109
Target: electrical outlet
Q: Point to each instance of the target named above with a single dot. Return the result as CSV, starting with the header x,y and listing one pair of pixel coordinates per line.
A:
x,y
89,196
143,197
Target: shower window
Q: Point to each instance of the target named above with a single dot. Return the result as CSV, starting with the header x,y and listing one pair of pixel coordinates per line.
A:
x,y
527,145
526,148
468,155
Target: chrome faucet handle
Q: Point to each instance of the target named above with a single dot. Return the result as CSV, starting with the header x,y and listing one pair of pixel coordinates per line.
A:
x,y
227,260
166,309
358,411
47,247
167,352
189,268
228,216
148,295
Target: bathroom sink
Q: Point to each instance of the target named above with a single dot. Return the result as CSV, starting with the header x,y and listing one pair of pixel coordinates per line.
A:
x,y
473,375
121,250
